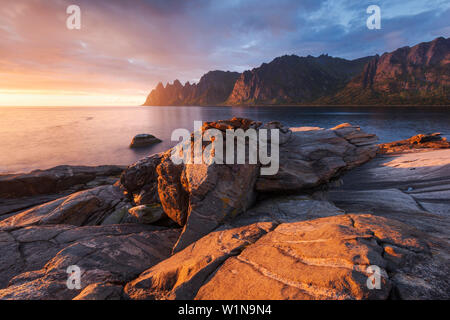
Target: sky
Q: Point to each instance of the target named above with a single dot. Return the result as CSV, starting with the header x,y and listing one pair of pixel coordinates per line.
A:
x,y
124,48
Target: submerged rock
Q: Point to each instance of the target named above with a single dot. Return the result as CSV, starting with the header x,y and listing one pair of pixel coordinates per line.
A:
x,y
144,140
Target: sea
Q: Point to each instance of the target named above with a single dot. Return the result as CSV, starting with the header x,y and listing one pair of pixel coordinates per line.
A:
x,y
43,137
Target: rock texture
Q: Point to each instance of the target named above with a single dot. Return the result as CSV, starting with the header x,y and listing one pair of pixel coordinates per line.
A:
x,y
309,158
420,141
202,196
212,89
410,187
35,256
182,275
327,258
299,248
89,207
22,191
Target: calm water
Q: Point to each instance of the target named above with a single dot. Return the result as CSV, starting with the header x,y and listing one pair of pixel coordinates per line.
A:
x,y
40,138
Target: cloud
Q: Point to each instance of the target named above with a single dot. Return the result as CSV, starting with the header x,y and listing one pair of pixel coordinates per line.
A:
x,y
128,46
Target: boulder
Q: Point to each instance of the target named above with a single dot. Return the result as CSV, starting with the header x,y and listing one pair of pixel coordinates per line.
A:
x,y
144,140
312,157
171,191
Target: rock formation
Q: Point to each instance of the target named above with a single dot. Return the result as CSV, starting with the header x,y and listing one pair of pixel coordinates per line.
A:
x,y
417,75
201,196
294,80
212,89
22,191
243,236
420,141
37,257
409,75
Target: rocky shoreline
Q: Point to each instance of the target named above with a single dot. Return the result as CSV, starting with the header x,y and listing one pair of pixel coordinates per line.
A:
x,y
339,204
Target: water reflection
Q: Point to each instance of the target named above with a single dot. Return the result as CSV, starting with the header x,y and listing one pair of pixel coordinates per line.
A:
x,y
32,138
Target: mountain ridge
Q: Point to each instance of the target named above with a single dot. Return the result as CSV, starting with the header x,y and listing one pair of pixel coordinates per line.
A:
x,y
417,75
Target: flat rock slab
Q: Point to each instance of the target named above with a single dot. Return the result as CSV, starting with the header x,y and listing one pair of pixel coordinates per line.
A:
x,y
312,157
89,207
38,257
327,258
55,180
412,187
181,276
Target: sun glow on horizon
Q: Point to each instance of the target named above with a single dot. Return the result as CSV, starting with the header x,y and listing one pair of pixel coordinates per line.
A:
x,y
36,98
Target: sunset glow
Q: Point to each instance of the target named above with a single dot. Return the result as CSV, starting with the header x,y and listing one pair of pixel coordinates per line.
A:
x,y
122,51
52,98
